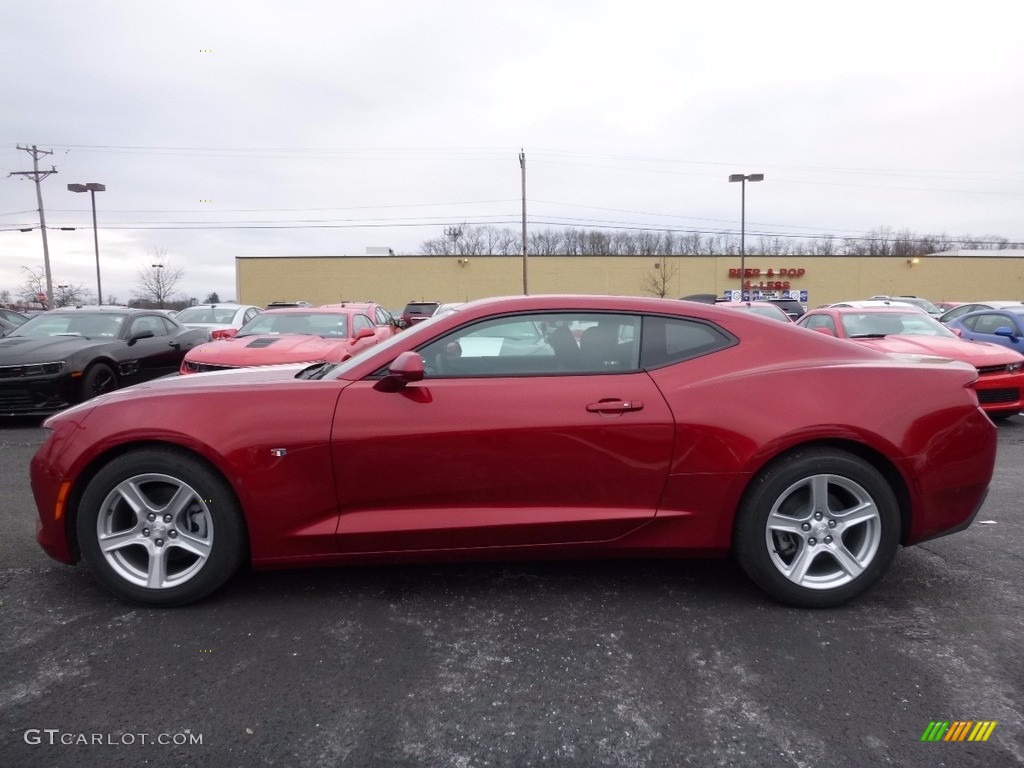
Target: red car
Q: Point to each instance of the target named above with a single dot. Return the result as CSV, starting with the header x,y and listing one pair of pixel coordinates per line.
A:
x,y
905,331
331,333
669,428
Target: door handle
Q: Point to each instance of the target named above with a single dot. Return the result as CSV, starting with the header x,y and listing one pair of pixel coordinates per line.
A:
x,y
174,344
615,405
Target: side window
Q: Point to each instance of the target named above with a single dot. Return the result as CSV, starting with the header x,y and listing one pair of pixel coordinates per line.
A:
x,y
989,323
975,324
360,322
667,340
249,315
538,344
383,316
148,323
169,326
820,321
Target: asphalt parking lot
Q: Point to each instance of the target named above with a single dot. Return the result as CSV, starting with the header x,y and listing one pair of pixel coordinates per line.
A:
x,y
557,664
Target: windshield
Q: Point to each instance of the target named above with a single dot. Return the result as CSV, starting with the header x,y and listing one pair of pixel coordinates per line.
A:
x,y
89,325
207,315
329,325
877,324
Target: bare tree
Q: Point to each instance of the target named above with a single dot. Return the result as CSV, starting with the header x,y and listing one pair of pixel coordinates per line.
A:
x,y
71,295
158,281
34,285
658,280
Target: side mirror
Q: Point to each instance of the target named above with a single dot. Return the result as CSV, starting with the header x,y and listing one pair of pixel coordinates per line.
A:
x,y
958,332
1006,331
364,333
400,324
406,368
223,333
140,335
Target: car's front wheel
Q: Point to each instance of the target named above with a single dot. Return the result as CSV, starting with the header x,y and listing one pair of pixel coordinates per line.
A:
x,y
160,527
817,527
98,380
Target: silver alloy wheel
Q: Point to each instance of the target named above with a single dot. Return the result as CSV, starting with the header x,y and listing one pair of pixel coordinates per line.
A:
x,y
823,531
154,531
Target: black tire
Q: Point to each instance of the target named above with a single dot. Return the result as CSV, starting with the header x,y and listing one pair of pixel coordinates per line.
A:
x,y
187,539
796,536
98,380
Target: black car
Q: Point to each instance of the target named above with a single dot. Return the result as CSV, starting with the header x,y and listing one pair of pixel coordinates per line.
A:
x,y
66,356
791,307
418,311
9,320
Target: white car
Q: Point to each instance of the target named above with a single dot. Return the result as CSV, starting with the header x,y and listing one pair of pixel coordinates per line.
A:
x,y
217,317
894,303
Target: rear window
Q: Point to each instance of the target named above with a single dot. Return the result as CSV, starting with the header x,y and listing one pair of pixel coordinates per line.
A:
x,y
421,307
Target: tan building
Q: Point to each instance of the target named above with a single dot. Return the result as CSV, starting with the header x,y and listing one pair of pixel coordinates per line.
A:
x,y
394,280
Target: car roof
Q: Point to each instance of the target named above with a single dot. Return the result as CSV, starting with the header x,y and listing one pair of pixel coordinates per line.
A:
x,y
105,309
892,309
1016,309
326,309
871,303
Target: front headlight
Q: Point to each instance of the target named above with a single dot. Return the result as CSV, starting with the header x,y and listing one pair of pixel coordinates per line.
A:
x,y
1014,367
31,369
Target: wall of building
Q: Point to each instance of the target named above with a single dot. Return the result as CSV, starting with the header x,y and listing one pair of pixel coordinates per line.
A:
x,y
394,280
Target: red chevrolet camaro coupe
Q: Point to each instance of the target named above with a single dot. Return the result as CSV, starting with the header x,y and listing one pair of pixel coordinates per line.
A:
x,y
332,333
1000,384
557,426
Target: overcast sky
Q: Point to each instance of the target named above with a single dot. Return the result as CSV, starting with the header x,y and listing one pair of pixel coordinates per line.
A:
x,y
319,128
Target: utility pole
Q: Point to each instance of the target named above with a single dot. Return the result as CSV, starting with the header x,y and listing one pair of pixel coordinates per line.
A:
x,y
522,167
38,176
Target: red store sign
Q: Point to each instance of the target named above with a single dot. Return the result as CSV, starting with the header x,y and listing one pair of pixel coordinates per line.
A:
x,y
771,280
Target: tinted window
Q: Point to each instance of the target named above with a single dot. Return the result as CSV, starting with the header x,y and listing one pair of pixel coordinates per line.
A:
x,y
360,322
667,340
148,323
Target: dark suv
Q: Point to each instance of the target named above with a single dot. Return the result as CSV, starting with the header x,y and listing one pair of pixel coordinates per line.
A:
x,y
418,311
791,307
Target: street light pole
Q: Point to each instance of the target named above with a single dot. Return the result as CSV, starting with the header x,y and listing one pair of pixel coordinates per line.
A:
x,y
92,188
159,282
743,179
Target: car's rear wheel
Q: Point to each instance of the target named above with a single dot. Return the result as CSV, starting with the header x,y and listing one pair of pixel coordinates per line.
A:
x,y
98,379
159,527
817,527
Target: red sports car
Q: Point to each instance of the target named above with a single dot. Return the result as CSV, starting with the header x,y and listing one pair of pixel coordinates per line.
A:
x,y
904,331
331,333
667,428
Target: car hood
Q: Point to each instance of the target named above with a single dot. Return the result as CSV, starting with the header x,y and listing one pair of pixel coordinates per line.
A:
x,y
240,379
16,350
271,350
978,354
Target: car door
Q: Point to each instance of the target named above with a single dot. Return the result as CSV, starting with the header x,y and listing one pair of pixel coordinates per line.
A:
x,y
154,356
982,326
505,443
